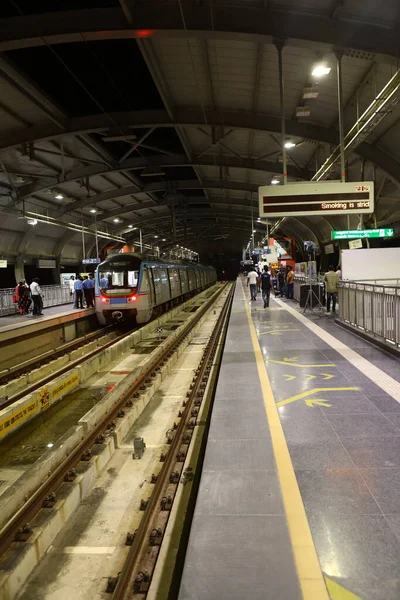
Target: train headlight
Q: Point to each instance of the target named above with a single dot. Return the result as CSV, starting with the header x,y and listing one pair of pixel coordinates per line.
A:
x,y
132,299
105,300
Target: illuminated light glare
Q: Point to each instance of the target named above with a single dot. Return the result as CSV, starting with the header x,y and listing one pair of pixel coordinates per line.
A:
x,y
164,240
32,221
105,300
320,70
59,197
156,236
116,220
50,445
93,210
130,226
275,181
143,33
290,145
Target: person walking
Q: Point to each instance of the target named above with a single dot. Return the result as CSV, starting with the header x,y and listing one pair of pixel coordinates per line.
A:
x,y
332,287
266,286
290,282
252,281
24,298
259,273
87,292
78,291
36,294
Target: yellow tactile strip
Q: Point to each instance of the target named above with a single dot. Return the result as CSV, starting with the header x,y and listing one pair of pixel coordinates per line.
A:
x,y
308,568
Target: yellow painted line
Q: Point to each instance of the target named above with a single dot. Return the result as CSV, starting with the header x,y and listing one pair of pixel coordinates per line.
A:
x,y
289,377
314,391
319,401
338,592
291,364
308,568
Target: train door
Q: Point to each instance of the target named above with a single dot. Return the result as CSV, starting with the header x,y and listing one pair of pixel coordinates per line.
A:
x,y
197,275
184,281
174,283
192,279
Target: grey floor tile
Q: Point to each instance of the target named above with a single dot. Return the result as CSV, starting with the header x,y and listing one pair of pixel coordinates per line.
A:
x,y
232,428
360,550
237,405
374,452
242,455
324,454
385,403
230,492
336,491
385,487
394,522
394,418
220,545
348,405
311,426
362,425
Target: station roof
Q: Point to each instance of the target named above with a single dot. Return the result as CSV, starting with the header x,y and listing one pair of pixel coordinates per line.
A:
x,y
118,114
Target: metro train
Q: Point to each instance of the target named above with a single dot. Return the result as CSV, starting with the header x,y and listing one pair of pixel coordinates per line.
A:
x,y
131,288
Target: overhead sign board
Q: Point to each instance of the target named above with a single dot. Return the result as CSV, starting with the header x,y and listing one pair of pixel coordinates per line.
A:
x,y
91,261
353,244
304,199
329,249
46,263
349,234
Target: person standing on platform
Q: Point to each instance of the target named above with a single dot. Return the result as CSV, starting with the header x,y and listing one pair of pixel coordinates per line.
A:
x,y
281,283
332,287
339,272
86,291
290,283
36,294
252,281
92,284
78,291
24,298
259,273
266,286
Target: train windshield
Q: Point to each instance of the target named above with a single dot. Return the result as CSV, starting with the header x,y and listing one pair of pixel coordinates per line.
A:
x,y
117,279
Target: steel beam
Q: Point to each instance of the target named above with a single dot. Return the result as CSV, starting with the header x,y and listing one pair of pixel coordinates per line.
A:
x,y
195,118
233,22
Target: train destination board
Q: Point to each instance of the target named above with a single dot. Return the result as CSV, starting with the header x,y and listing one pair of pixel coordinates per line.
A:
x,y
350,234
303,199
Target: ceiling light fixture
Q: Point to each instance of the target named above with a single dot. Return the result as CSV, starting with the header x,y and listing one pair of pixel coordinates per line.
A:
x,y
320,70
32,222
116,220
130,226
290,145
59,197
93,210
156,236
275,181
164,240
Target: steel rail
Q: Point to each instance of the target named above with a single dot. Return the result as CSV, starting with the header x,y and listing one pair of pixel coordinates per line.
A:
x,y
35,502
136,556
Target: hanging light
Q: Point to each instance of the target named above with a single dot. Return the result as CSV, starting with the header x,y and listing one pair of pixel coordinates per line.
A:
x,y
320,70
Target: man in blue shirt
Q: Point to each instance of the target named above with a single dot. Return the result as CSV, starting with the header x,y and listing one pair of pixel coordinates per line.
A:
x,y
86,285
92,287
78,289
104,283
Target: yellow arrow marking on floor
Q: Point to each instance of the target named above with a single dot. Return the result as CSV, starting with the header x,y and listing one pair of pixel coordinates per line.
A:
x,y
338,592
319,401
309,376
289,377
314,391
327,375
298,365
277,331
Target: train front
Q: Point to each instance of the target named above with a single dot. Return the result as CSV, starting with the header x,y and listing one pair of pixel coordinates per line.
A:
x,y
117,282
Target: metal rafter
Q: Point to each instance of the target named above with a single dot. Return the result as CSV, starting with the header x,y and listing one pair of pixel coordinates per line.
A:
x,y
238,22
195,118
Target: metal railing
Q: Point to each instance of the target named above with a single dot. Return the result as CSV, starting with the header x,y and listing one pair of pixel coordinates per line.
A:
x,y
372,308
54,295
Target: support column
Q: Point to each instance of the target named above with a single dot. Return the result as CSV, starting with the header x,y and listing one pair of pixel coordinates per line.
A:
x,y
339,55
279,46
19,269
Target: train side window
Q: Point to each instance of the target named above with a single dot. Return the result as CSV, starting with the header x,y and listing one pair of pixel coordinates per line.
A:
x,y
145,286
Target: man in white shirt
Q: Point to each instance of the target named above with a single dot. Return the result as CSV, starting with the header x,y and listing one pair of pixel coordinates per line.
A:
x,y
252,281
36,294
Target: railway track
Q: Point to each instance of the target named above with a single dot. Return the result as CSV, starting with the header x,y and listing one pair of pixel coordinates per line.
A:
x,y
135,578
17,528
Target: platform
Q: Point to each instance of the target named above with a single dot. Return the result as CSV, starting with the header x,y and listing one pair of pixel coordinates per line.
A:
x,y
299,492
23,337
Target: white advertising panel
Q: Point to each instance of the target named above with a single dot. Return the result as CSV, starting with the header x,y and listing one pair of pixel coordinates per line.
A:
x,y
371,263
327,198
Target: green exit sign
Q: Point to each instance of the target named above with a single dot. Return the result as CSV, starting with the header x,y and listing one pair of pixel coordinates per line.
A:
x,y
352,234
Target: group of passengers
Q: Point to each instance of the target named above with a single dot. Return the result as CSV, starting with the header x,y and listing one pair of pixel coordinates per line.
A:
x,y
82,288
26,295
